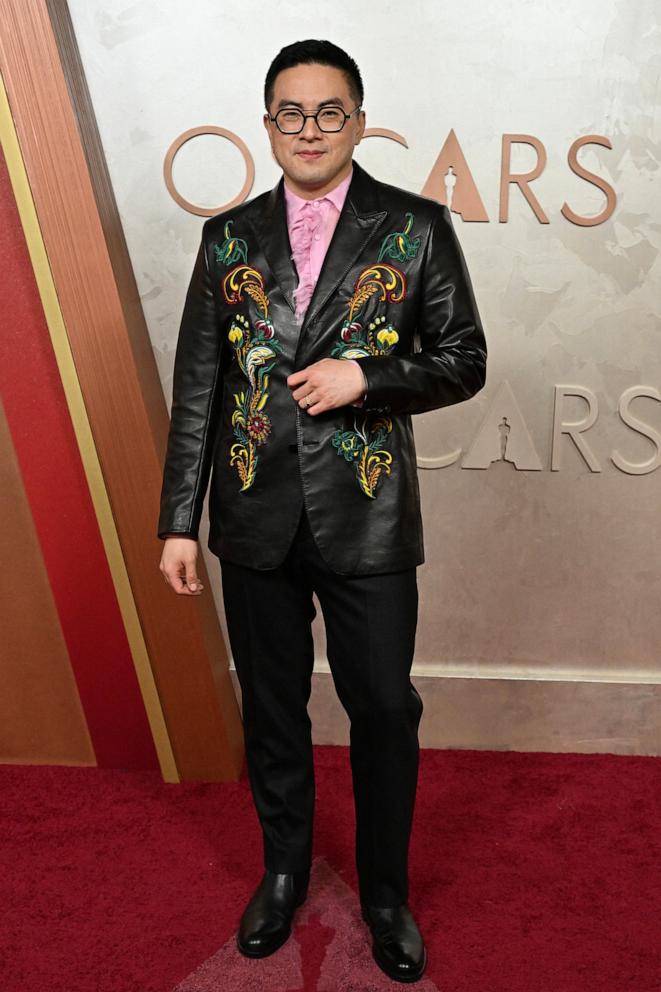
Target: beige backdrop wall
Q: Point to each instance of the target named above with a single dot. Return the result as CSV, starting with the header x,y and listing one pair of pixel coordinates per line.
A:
x,y
539,622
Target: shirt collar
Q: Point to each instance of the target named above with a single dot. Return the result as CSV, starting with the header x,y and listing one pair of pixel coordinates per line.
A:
x,y
337,195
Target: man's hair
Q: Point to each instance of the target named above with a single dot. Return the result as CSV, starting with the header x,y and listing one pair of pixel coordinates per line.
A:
x,y
309,52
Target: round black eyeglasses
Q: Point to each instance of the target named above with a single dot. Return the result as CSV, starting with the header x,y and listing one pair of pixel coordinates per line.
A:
x,y
289,120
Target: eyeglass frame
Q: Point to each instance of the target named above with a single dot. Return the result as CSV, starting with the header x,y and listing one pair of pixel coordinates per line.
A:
x,y
314,114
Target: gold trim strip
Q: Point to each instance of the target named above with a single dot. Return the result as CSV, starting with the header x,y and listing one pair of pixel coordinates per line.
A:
x,y
508,673
84,438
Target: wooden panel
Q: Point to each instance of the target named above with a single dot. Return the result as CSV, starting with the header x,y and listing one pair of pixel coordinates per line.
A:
x,y
118,377
53,475
41,718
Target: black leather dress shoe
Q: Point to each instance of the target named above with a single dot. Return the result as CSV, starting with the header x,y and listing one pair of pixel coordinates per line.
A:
x,y
398,947
266,920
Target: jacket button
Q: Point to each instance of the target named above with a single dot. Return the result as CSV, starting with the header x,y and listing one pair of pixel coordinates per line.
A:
x,y
293,448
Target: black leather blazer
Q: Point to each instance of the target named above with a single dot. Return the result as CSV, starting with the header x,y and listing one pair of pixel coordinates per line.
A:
x,y
395,294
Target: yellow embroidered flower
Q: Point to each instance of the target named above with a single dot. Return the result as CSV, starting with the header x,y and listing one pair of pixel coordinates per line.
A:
x,y
387,338
235,335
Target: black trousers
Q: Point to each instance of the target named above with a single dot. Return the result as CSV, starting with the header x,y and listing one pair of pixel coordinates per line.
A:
x,y
370,623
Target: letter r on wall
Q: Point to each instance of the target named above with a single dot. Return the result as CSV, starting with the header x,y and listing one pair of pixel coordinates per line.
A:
x,y
574,428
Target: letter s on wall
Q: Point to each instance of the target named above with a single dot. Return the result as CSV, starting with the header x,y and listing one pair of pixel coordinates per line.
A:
x,y
652,463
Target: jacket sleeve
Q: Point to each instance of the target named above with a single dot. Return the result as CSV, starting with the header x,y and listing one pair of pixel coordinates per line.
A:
x,y
451,363
196,389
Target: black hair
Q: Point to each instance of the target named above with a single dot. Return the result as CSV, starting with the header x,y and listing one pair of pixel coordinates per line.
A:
x,y
309,52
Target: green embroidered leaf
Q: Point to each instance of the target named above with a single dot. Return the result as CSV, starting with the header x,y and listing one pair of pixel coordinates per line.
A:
x,y
399,246
347,444
232,249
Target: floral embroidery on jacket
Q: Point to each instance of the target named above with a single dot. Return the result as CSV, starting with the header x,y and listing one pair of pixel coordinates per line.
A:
x,y
399,246
256,352
363,446
232,249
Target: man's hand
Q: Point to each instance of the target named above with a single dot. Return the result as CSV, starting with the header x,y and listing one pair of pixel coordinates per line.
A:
x,y
326,385
178,565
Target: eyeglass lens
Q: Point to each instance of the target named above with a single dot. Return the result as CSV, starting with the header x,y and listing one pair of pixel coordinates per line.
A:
x,y
291,120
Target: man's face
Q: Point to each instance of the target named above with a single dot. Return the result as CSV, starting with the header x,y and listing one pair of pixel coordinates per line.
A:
x,y
313,160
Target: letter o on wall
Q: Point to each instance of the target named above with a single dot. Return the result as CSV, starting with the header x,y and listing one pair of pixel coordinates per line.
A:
x,y
223,133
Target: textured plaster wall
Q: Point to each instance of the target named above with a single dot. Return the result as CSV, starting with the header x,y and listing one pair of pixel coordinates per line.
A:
x,y
527,571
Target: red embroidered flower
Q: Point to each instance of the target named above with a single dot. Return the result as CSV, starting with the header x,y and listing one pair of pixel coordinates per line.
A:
x,y
259,427
350,331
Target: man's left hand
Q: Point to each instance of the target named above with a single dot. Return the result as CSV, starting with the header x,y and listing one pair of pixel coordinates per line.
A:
x,y
326,385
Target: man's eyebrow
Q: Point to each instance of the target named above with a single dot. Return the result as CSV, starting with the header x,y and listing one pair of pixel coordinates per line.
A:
x,y
336,101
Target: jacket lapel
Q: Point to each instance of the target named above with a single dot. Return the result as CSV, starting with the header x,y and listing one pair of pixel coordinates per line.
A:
x,y
270,226
360,218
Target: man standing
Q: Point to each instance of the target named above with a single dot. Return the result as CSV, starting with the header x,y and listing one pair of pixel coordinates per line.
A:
x,y
320,316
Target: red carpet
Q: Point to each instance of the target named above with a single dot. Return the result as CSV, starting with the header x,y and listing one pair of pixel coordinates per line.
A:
x,y
529,873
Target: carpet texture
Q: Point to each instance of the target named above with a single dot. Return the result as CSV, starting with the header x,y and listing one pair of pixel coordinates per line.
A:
x,y
529,873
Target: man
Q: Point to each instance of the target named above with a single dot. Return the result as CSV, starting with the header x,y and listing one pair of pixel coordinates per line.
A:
x,y
320,316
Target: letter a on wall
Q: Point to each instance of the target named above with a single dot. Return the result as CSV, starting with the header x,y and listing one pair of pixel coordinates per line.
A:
x,y
503,436
451,182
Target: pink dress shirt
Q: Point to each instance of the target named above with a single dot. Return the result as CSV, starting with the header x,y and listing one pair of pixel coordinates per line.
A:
x,y
311,224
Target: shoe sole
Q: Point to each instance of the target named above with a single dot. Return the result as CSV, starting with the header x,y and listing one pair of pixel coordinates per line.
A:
x,y
265,954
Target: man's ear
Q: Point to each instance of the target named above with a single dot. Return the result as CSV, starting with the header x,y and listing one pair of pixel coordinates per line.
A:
x,y
265,120
361,127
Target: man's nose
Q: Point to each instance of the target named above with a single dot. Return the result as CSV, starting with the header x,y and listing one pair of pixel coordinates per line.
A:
x,y
310,129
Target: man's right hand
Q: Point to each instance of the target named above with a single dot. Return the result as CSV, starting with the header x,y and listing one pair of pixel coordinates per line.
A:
x,y
178,565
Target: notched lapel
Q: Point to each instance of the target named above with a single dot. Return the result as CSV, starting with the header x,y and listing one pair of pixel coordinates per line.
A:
x,y
273,237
